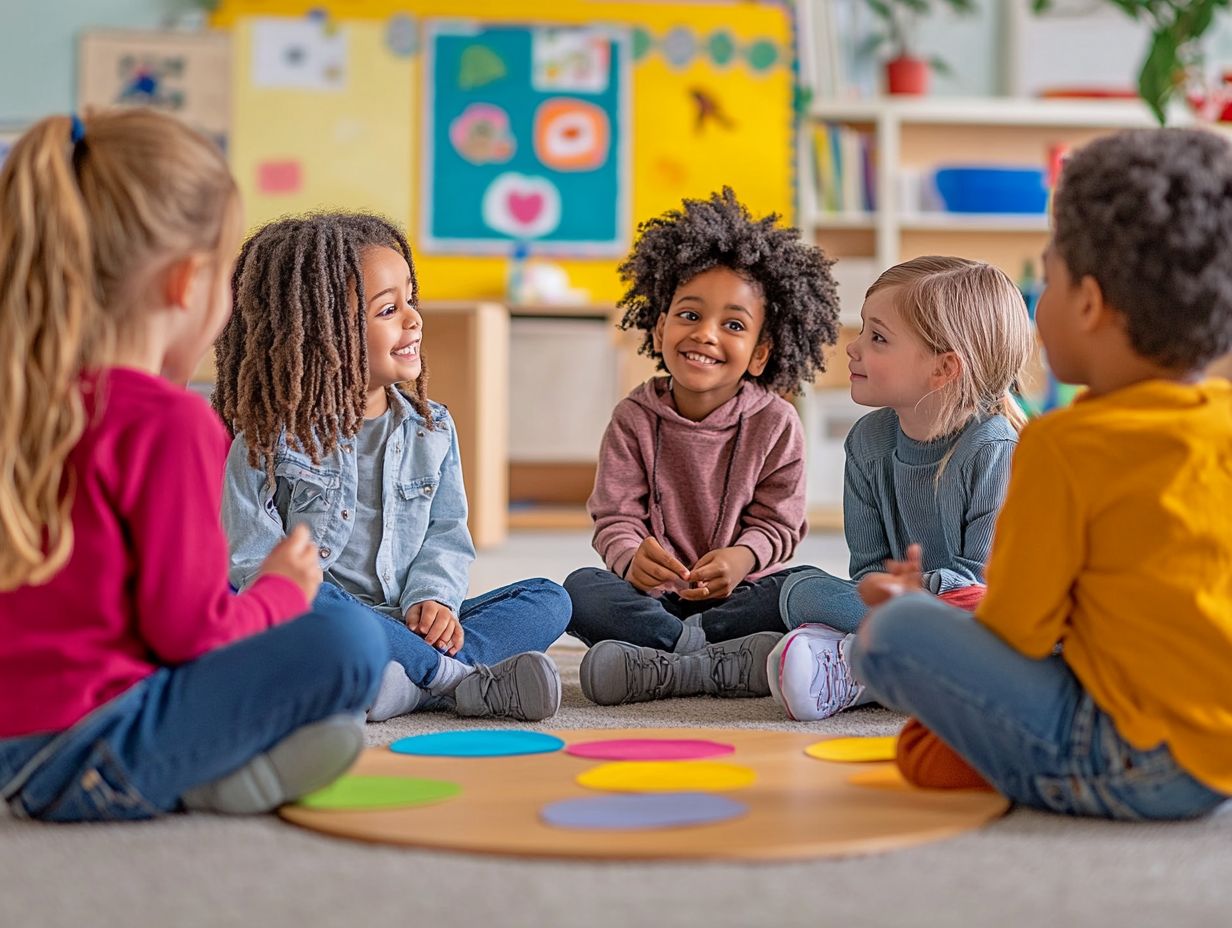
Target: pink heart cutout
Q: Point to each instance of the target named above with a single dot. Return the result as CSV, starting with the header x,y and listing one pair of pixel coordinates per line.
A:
x,y
525,208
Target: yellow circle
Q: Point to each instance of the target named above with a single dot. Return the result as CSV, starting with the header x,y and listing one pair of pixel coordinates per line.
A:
x,y
854,750
667,776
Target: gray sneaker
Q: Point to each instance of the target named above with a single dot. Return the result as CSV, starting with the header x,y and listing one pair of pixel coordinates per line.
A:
x,y
615,672
306,760
525,687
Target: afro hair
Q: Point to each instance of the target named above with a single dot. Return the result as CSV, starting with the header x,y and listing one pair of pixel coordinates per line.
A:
x,y
793,277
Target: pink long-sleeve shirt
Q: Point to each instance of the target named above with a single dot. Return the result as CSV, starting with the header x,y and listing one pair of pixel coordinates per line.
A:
x,y
146,585
734,478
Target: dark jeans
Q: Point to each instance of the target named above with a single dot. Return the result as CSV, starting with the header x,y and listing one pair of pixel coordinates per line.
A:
x,y
524,616
607,607
185,726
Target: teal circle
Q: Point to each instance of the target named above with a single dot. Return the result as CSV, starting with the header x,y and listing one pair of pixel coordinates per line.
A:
x,y
478,743
722,47
643,42
761,55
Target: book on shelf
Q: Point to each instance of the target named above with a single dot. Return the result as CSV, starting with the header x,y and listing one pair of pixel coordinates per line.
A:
x,y
844,169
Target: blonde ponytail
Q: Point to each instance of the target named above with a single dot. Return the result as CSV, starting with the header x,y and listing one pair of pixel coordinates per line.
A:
x,y
49,330
80,221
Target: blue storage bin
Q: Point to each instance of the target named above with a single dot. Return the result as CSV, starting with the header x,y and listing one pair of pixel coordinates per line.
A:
x,y
992,189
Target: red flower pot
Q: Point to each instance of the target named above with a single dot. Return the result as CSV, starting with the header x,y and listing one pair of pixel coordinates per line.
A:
x,y
907,75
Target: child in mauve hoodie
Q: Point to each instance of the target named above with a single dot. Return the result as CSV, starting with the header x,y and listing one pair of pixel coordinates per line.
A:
x,y
699,496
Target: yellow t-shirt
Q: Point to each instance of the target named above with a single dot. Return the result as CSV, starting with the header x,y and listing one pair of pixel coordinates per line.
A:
x,y
1116,539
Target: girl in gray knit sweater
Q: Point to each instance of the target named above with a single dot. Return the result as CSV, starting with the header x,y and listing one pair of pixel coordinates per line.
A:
x,y
942,343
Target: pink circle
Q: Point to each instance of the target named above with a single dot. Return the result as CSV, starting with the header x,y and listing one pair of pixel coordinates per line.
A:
x,y
649,749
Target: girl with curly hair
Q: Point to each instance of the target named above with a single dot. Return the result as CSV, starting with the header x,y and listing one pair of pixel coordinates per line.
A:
x,y
323,383
699,496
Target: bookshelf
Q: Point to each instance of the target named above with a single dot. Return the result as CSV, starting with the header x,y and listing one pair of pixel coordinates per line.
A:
x,y
909,139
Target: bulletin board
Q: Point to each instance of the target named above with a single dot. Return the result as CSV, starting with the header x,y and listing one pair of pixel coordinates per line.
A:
x,y
710,102
526,133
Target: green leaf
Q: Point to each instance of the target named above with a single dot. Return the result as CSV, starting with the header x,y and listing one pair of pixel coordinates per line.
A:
x,y
881,8
940,66
1158,79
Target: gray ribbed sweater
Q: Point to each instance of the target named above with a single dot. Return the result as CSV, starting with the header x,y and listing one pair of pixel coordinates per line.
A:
x,y
892,496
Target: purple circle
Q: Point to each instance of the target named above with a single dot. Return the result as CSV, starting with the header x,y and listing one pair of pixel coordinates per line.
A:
x,y
649,749
631,812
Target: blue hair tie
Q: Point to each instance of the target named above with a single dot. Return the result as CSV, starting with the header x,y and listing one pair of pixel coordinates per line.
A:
x,y
79,128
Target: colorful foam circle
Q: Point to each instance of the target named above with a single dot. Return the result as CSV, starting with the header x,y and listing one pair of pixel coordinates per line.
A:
x,y
649,749
356,792
667,776
641,811
478,743
854,750
571,135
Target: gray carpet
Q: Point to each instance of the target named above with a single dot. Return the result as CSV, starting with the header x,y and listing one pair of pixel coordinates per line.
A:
x,y
1028,869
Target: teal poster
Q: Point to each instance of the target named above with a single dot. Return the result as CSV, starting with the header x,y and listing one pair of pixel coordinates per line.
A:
x,y
526,140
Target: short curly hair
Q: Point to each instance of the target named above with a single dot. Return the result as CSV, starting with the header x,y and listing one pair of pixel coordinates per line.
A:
x,y
1148,214
794,278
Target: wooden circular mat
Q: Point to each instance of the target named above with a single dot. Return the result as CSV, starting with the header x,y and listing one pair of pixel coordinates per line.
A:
x,y
798,807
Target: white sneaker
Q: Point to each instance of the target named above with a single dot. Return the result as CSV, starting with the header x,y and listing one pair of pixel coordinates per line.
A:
x,y
809,674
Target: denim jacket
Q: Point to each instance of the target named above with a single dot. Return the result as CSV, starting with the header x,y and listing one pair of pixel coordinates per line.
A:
x,y
426,549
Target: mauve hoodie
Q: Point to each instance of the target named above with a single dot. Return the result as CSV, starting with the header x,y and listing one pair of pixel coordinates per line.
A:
x,y
735,478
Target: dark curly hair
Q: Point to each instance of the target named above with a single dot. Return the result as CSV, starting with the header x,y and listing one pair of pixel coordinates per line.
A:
x,y
293,359
1148,214
794,279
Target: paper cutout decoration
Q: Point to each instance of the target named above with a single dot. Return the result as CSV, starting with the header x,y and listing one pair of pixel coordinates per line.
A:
x,y
641,811
721,48
481,134
761,55
678,47
298,54
402,35
854,750
504,742
667,777
709,110
279,177
649,749
521,206
479,66
571,135
570,59
360,792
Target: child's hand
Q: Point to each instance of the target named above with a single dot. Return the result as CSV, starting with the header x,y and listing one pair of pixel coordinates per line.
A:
x,y
295,557
900,577
719,572
652,566
437,625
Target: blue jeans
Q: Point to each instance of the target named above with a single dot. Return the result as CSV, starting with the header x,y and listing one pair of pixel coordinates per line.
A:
x,y
1026,725
814,596
181,727
606,606
525,616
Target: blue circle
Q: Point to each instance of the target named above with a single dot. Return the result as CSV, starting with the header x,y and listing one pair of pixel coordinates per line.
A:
x,y
479,743
641,811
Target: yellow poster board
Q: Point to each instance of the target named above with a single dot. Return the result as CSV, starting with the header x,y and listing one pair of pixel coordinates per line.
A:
x,y
711,105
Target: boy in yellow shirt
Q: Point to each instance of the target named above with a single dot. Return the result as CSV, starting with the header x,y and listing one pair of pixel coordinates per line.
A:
x,y
1115,540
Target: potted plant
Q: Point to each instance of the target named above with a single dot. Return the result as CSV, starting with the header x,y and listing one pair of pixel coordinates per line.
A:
x,y
1174,53
906,72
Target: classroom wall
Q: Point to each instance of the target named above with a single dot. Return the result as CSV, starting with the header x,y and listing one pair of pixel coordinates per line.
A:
x,y
38,46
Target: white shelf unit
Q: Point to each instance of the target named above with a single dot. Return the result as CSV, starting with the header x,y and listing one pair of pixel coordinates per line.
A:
x,y
918,135
908,133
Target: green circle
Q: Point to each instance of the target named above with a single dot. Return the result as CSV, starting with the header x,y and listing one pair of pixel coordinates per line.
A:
x,y
359,792
722,47
762,55
643,42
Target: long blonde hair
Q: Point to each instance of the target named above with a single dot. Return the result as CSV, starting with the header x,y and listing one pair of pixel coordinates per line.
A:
x,y
975,311
82,224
